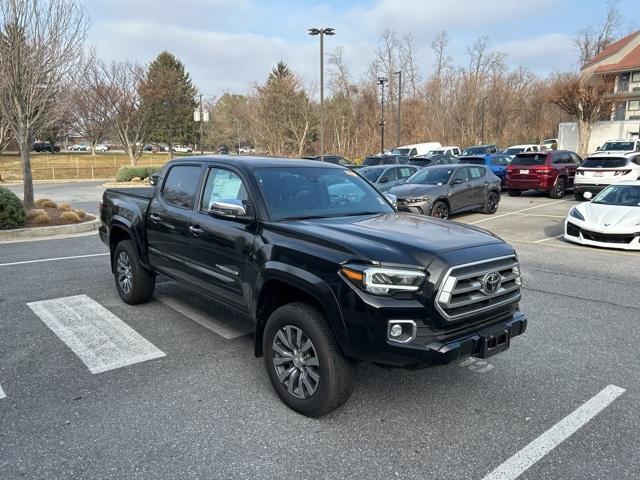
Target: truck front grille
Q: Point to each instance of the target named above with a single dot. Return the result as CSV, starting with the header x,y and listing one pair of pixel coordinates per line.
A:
x,y
479,287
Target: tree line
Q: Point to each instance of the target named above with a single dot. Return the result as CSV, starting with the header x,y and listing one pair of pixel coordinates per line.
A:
x,y
52,85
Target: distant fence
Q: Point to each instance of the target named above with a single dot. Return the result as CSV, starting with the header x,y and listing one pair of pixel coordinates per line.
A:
x,y
71,170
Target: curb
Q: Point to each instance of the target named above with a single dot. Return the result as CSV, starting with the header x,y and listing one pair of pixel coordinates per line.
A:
x,y
38,232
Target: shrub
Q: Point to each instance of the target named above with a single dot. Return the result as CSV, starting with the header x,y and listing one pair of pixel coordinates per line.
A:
x,y
136,180
48,204
64,207
12,212
41,201
81,213
125,174
70,216
31,214
42,219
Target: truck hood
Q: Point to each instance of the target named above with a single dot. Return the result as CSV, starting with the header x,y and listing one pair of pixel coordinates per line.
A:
x,y
395,237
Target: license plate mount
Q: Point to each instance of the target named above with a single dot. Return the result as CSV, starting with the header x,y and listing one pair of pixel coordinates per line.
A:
x,y
495,342
524,172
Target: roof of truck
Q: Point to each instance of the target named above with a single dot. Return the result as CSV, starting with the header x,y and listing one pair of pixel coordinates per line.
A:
x,y
255,162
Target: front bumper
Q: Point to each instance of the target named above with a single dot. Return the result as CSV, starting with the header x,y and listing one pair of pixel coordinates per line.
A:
x,y
575,231
422,208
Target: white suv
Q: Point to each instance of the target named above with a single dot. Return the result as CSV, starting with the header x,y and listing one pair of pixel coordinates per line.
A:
x,y
604,168
620,146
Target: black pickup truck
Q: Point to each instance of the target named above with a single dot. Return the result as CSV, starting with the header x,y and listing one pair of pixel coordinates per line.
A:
x,y
321,262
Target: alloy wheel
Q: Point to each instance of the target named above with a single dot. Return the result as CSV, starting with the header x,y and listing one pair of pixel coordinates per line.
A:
x,y
296,362
440,211
492,202
125,276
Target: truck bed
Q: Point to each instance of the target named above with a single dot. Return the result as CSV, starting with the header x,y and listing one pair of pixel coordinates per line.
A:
x,y
139,192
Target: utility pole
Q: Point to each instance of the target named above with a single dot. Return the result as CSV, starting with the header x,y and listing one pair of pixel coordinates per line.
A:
x,y
399,121
201,127
322,32
482,123
381,82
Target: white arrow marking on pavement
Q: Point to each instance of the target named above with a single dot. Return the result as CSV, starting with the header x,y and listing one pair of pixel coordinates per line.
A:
x,y
525,458
99,338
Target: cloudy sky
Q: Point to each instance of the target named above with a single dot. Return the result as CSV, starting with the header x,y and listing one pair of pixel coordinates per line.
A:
x,y
227,45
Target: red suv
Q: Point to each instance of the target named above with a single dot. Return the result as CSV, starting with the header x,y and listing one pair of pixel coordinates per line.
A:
x,y
552,172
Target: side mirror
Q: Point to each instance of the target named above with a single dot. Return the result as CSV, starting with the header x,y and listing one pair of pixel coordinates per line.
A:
x,y
587,195
598,148
457,181
383,180
392,198
228,208
153,178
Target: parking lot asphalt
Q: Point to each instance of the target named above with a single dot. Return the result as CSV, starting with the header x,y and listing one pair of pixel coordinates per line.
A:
x,y
206,409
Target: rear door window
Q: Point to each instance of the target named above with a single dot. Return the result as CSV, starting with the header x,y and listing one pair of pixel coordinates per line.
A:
x,y
476,172
406,172
181,186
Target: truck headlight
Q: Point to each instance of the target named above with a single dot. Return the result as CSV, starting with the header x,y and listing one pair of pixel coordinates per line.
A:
x,y
382,280
576,214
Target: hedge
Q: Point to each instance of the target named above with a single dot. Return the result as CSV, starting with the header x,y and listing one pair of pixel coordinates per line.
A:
x,y
125,174
12,213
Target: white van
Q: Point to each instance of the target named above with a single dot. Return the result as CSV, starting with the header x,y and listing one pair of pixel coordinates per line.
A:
x,y
447,150
416,149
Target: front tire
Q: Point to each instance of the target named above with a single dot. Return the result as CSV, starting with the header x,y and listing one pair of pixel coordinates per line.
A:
x,y
305,365
440,210
135,284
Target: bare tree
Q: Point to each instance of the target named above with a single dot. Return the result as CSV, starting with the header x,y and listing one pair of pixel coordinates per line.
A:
x,y
592,40
439,47
115,90
41,47
583,98
5,133
409,64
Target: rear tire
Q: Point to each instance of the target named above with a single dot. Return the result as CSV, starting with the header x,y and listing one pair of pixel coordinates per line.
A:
x,y
491,203
559,189
305,365
515,193
135,284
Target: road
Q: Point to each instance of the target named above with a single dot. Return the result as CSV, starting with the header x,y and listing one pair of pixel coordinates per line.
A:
x,y
206,409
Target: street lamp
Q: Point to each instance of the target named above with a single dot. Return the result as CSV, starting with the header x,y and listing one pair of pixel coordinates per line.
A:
x,y
381,82
399,73
322,32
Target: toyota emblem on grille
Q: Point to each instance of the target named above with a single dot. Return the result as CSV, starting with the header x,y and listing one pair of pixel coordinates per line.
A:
x,y
491,283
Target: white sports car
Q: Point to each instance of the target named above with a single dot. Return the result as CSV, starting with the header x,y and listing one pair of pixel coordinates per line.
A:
x,y
611,219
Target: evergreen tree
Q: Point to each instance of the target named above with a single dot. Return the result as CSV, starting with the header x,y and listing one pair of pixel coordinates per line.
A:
x,y
168,97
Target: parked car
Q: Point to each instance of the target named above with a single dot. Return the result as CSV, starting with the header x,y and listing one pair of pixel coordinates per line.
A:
x,y
78,148
549,144
497,163
101,147
183,149
385,178
246,150
514,150
448,150
610,220
480,150
45,147
620,146
431,160
392,159
335,159
326,280
604,168
552,172
416,149
448,189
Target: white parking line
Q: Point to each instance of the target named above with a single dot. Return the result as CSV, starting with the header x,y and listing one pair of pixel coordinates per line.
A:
x,y
538,448
548,238
54,259
100,339
2,395
493,217
208,322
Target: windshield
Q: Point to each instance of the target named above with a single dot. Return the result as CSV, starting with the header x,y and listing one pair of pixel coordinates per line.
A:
x,y
623,195
513,151
401,151
433,176
371,174
529,159
604,162
297,193
471,161
617,146
475,151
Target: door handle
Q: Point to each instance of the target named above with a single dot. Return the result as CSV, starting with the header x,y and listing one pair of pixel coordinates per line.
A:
x,y
154,218
195,230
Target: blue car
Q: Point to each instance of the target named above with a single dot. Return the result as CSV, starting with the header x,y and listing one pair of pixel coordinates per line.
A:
x,y
496,162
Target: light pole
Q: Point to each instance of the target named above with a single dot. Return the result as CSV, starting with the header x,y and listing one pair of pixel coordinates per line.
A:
x,y
381,82
482,122
322,32
399,73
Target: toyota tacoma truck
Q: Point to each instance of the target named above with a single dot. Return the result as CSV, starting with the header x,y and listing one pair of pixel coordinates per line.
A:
x,y
320,261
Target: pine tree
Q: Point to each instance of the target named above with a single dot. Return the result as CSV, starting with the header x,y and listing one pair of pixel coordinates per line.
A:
x,y
168,96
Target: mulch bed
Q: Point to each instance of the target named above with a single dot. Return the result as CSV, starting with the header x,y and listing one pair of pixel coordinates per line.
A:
x,y
54,215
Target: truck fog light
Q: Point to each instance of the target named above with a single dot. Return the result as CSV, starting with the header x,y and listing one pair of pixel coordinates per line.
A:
x,y
396,331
